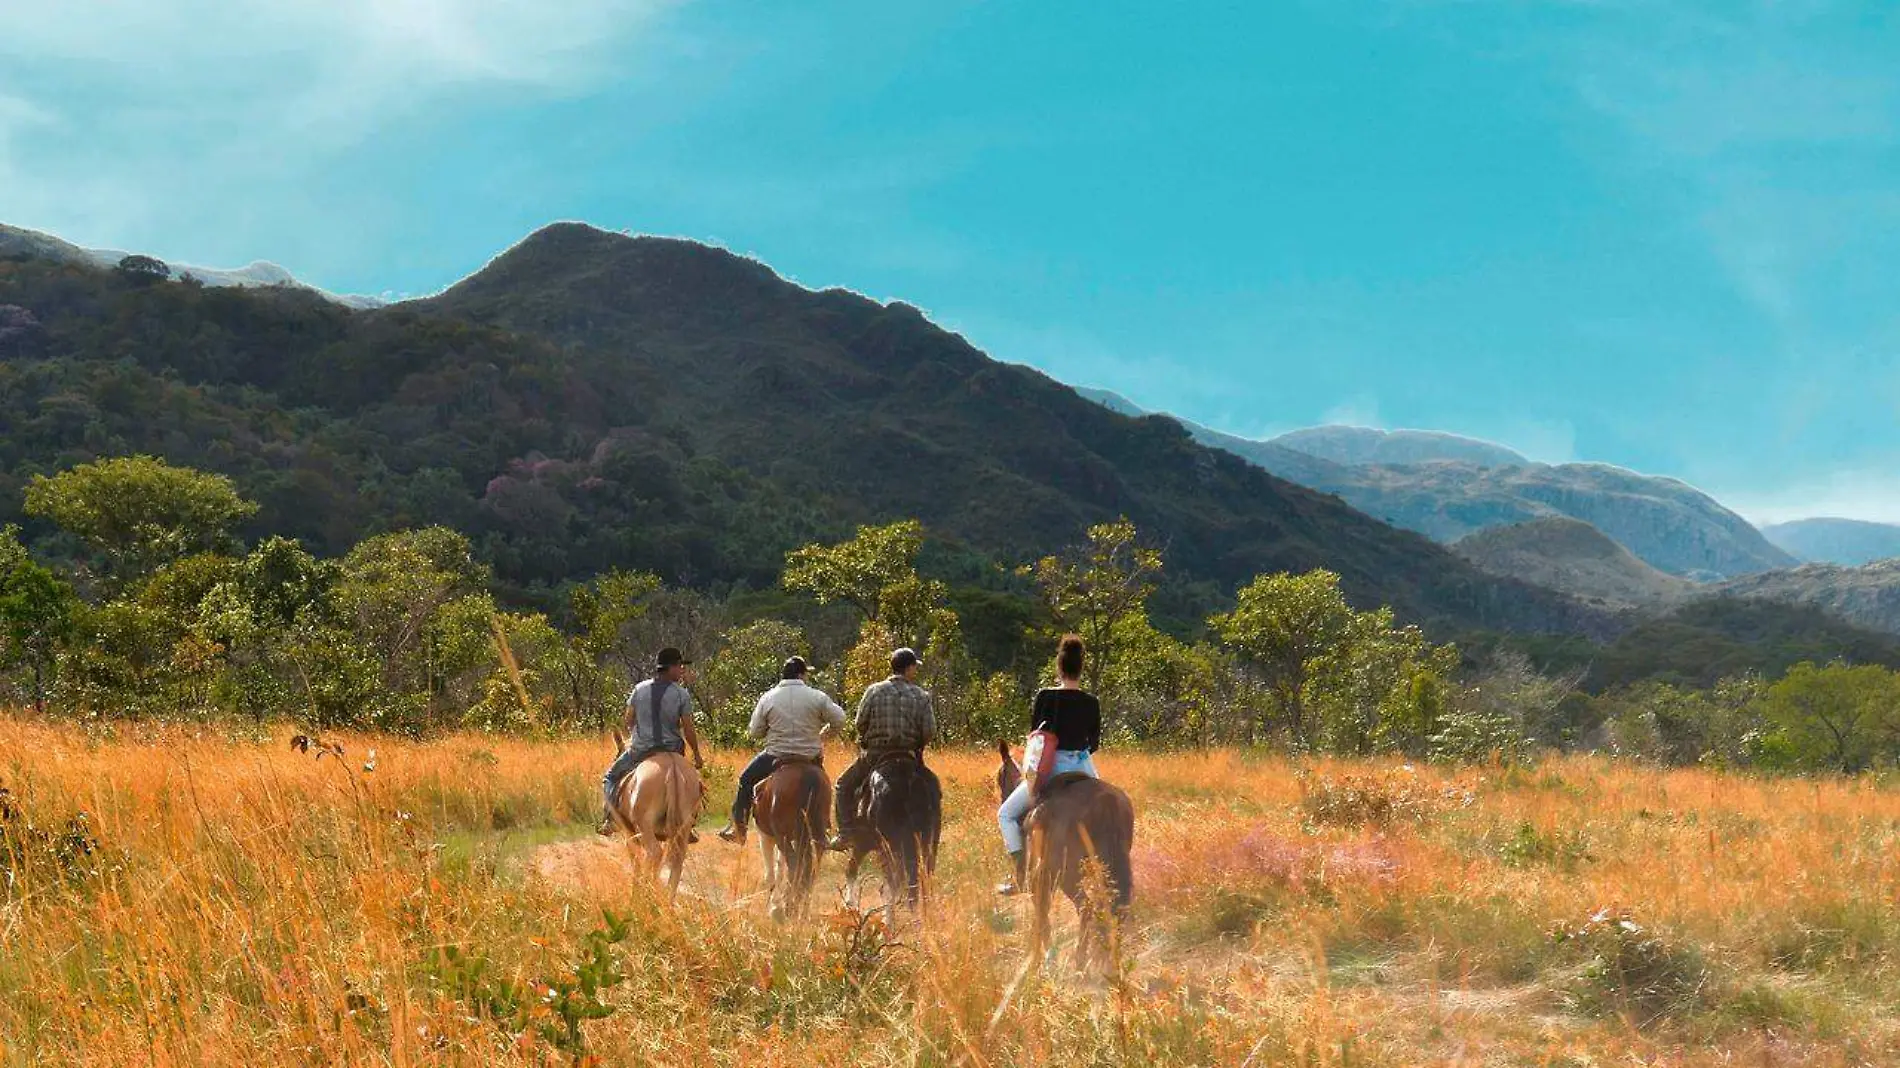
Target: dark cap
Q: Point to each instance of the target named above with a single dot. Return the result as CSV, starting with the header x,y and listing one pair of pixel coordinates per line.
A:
x,y
794,668
671,657
902,659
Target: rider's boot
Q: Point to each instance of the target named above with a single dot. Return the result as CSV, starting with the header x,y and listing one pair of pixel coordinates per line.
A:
x,y
734,832
1014,885
607,826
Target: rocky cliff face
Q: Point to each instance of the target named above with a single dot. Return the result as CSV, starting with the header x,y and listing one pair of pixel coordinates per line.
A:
x,y
1868,596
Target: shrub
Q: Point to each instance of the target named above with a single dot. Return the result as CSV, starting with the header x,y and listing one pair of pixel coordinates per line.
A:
x,y
1632,971
1371,800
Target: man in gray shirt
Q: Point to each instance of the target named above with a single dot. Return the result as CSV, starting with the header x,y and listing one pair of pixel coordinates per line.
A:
x,y
659,720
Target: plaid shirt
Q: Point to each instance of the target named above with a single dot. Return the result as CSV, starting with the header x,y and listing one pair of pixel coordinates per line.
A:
x,y
895,714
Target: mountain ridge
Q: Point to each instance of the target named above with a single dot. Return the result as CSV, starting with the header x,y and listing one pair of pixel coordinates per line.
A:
x,y
1360,445
1664,521
1573,557
590,401
1831,540
782,354
16,240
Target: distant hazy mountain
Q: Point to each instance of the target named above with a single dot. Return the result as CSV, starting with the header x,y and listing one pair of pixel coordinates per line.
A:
x,y
1447,495
1358,445
1851,542
16,242
1574,557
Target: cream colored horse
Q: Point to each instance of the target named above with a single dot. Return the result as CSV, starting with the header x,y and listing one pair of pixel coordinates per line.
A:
x,y
659,803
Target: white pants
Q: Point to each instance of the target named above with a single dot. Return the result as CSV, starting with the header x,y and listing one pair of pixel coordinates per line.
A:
x,y
1009,817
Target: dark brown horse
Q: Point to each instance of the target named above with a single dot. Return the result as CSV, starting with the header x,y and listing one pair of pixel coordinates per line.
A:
x,y
1078,835
900,818
792,811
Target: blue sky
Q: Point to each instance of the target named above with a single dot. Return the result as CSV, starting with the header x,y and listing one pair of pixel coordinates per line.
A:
x,y
1657,233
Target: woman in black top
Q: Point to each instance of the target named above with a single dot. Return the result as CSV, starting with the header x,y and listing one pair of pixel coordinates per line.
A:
x,y
1075,716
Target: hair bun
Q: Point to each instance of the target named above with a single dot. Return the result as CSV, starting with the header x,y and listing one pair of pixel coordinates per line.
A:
x,y
1069,656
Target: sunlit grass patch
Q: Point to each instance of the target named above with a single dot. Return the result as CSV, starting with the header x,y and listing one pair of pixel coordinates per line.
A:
x,y
264,905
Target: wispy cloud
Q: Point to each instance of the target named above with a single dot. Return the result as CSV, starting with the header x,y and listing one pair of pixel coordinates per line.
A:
x,y
104,101
1780,123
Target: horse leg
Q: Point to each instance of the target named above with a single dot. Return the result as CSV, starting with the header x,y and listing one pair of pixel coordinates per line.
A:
x,y
797,859
675,862
1091,934
769,859
1040,892
852,892
649,853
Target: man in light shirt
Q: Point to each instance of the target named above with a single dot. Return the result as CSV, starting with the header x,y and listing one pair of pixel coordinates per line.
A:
x,y
791,717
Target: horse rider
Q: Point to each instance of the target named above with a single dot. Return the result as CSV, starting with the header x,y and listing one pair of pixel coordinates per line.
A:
x,y
791,717
1075,717
894,716
659,720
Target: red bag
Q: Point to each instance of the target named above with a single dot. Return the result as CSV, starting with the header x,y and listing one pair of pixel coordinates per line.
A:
x,y
1039,759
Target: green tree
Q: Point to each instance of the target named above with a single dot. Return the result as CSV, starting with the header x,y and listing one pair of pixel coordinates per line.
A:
x,y
1166,693
860,571
605,648
417,601
1281,625
143,270
876,573
138,512
1380,686
269,616
1095,588
1832,718
37,613
746,665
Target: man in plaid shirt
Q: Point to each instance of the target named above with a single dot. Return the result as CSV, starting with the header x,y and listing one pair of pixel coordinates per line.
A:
x,y
894,716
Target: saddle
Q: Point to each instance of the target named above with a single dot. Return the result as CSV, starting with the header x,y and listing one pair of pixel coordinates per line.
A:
x,y
793,761
1055,784
885,757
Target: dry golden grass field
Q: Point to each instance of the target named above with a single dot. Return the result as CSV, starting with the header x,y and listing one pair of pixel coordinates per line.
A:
x,y
232,901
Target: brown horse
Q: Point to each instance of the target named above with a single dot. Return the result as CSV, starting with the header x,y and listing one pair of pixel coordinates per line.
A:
x,y
1079,835
659,803
900,819
792,813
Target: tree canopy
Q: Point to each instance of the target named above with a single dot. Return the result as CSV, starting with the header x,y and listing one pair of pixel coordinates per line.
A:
x,y
137,512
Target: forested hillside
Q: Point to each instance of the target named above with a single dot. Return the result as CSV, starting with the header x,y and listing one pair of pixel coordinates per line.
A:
x,y
591,401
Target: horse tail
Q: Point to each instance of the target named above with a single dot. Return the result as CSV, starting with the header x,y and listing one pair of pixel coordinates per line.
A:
x,y
1114,826
813,814
682,798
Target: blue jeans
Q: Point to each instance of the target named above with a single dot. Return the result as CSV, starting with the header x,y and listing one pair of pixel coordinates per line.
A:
x,y
1009,817
622,767
758,771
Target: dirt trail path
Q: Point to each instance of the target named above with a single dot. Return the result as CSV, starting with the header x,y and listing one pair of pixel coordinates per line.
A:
x,y
720,874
